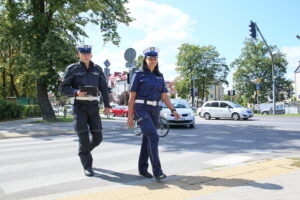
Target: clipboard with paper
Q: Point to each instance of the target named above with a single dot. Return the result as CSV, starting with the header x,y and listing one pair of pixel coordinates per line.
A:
x,y
90,90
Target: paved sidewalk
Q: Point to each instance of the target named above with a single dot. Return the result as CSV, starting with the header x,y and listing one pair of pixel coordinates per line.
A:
x,y
268,180
26,127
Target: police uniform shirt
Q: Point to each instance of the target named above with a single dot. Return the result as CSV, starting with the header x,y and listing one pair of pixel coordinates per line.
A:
x,y
78,74
148,86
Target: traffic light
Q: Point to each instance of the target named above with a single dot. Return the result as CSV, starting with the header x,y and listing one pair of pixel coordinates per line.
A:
x,y
233,92
228,93
252,29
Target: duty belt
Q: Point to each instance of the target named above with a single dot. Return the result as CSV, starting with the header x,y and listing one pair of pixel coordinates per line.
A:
x,y
85,99
151,103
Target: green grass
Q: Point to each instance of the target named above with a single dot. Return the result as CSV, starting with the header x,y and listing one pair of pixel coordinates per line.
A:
x,y
57,120
296,163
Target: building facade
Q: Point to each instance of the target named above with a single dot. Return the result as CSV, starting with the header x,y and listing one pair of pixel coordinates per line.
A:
x,y
118,82
171,88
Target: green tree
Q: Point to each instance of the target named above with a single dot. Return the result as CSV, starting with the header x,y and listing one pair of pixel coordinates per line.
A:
x,y
182,87
49,30
139,62
255,63
204,64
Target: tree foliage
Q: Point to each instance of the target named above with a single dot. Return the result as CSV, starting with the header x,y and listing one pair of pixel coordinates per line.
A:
x,y
45,33
204,64
255,63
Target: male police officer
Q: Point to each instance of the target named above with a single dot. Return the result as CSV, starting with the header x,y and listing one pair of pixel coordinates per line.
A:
x,y
85,107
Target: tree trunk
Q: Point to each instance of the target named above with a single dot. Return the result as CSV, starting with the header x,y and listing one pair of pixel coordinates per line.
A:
x,y
13,88
4,84
43,101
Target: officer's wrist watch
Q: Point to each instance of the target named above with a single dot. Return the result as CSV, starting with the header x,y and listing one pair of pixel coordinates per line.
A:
x,y
173,110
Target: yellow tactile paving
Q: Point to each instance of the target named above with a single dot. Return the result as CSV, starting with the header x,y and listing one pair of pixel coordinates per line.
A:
x,y
183,187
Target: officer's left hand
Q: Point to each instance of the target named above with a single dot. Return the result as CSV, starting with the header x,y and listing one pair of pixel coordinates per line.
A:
x,y
176,115
106,111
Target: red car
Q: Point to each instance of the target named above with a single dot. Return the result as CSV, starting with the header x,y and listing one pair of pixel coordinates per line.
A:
x,y
120,111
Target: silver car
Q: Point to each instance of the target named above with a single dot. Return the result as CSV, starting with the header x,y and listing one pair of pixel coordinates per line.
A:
x,y
183,109
224,109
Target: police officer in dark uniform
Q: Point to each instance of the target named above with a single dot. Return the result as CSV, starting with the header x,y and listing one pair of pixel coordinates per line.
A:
x,y
86,107
147,89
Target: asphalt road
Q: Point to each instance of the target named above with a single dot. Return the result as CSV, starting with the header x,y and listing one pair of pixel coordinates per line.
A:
x,y
47,167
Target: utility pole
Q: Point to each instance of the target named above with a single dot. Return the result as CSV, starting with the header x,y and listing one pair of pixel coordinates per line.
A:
x,y
193,91
253,27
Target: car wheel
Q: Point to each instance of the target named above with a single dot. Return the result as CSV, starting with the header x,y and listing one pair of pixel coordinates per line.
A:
x,y
235,116
199,114
264,113
207,116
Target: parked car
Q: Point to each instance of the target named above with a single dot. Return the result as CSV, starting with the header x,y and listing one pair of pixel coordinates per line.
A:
x,y
56,110
224,109
120,111
184,110
267,108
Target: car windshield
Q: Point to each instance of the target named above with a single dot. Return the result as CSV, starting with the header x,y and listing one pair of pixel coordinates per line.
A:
x,y
178,104
236,105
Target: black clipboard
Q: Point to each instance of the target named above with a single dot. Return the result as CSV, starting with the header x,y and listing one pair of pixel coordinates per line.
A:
x,y
90,90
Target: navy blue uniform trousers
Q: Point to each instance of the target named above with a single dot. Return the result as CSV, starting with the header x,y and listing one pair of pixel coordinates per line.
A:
x,y
148,117
87,121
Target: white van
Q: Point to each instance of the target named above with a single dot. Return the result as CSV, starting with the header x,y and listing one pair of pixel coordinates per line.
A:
x,y
224,109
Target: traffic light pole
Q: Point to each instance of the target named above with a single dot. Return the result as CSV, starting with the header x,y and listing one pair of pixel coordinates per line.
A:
x,y
273,73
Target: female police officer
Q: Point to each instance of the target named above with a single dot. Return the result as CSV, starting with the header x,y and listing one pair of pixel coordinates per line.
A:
x,y
147,89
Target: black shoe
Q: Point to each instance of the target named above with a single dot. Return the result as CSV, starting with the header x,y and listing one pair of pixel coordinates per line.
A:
x,y
146,174
162,176
89,172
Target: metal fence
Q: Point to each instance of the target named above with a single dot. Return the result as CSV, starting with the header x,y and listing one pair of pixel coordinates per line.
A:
x,y
292,107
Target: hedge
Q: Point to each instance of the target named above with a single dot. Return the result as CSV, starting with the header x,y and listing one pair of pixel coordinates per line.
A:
x,y
11,110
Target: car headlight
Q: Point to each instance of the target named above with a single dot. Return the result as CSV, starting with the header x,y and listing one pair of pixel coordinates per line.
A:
x,y
165,114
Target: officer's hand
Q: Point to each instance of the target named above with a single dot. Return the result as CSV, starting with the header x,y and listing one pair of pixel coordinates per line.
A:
x,y
106,111
176,115
81,94
130,122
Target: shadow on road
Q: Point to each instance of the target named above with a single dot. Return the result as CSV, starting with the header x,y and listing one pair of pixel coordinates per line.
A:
x,y
183,182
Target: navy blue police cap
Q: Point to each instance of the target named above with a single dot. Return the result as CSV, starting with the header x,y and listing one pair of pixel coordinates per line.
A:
x,y
85,49
151,52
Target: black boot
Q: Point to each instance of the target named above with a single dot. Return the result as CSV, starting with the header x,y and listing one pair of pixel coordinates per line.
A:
x,y
146,174
162,176
89,172
87,163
